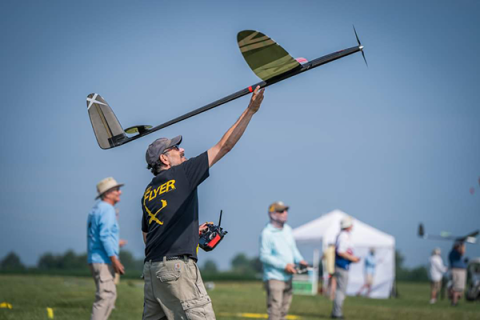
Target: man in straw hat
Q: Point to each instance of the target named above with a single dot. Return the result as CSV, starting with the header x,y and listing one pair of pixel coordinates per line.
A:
x,y
279,254
343,257
173,286
103,237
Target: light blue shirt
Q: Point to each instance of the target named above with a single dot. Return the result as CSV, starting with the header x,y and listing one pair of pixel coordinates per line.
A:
x,y
103,233
370,264
277,249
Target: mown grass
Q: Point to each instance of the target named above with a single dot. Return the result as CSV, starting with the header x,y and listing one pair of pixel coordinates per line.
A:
x,y
71,298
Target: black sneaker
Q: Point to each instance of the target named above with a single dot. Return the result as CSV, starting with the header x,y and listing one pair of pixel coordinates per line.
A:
x,y
338,317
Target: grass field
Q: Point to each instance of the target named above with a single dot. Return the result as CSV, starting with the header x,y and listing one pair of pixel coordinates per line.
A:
x,y
71,298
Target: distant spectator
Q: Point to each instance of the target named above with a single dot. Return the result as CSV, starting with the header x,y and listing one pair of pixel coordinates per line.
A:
x,y
437,270
458,269
370,265
103,237
279,255
343,257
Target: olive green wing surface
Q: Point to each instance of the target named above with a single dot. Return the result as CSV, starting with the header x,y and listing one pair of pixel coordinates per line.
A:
x,y
264,56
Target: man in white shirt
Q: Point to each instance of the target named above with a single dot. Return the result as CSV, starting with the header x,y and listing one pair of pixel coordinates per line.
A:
x,y
437,269
343,257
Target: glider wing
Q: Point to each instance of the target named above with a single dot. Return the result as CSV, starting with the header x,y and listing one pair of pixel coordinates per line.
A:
x,y
264,56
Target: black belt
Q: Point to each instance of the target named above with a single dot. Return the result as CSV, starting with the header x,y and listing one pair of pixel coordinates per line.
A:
x,y
180,258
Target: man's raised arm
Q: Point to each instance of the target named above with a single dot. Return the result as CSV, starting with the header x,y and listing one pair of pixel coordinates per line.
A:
x,y
231,137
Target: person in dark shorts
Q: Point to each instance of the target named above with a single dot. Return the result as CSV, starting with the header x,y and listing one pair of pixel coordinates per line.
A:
x,y
458,269
173,285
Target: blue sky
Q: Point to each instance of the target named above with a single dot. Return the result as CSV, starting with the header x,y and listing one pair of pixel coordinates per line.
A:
x,y
393,144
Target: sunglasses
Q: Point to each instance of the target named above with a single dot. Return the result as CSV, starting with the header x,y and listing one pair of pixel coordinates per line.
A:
x,y
112,190
281,211
175,147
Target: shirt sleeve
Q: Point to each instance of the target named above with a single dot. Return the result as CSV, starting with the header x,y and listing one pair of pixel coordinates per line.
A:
x,y
438,265
196,169
444,267
107,220
266,255
343,243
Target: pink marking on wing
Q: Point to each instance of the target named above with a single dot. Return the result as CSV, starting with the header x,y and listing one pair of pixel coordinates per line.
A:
x,y
301,60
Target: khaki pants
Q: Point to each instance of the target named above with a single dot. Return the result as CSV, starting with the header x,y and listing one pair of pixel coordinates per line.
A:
x,y
174,290
459,277
340,294
106,293
279,298
436,286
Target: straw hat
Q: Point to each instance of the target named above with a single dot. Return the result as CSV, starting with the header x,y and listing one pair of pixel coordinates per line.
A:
x,y
106,185
346,222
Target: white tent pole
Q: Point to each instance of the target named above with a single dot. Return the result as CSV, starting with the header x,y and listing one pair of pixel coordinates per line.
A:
x,y
316,259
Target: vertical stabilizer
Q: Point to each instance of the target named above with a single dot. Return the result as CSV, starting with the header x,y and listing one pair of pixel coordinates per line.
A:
x,y
107,129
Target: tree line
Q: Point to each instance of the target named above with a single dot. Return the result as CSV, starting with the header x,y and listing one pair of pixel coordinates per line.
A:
x,y
76,264
241,266
418,274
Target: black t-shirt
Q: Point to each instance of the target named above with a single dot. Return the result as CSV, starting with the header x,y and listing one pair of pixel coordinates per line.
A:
x,y
170,210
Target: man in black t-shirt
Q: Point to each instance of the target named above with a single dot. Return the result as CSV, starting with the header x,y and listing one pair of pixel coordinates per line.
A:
x,y
173,286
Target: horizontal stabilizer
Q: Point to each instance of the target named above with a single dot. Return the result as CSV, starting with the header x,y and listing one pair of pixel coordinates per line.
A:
x,y
107,129
138,129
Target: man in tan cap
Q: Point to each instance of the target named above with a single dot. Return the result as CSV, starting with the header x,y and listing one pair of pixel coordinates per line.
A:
x,y
279,255
173,286
103,240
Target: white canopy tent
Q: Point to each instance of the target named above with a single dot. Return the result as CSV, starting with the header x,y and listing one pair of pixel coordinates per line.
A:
x,y
324,231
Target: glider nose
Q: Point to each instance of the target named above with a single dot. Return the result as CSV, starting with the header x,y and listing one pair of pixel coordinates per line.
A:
x,y
360,47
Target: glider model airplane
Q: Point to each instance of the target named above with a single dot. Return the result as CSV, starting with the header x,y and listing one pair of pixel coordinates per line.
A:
x,y
469,238
269,61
